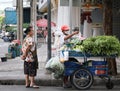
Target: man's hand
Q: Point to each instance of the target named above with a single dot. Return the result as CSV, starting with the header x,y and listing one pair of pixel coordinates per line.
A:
x,y
76,32
69,36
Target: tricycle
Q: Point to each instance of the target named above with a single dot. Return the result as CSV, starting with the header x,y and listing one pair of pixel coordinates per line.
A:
x,y
82,73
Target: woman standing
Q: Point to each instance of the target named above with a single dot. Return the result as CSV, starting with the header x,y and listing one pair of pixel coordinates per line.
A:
x,y
30,58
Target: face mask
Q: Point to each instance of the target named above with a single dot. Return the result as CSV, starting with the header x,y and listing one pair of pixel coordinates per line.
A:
x,y
66,32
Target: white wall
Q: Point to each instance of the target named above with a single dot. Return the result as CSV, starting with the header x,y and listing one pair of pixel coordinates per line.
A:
x,y
75,17
60,15
54,16
64,17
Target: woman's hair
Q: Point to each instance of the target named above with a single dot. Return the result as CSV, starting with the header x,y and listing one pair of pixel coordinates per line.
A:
x,y
28,29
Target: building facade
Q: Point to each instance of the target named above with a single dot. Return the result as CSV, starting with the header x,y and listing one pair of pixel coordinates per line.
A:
x,y
70,12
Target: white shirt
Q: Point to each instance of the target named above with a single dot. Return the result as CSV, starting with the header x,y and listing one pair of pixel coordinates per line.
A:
x,y
59,39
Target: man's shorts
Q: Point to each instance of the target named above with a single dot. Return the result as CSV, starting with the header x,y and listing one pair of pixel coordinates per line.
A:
x,y
30,68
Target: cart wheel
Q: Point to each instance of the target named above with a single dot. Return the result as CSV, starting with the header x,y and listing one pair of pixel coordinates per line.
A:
x,y
82,79
109,85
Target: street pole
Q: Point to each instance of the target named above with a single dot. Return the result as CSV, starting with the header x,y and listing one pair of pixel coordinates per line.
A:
x,y
70,14
33,17
80,17
20,20
49,29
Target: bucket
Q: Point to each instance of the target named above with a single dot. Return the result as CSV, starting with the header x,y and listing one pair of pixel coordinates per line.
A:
x,y
3,59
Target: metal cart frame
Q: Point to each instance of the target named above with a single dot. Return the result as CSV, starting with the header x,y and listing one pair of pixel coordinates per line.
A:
x,y
82,75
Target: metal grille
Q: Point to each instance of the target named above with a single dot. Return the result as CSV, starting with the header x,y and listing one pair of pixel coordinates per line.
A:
x,y
116,4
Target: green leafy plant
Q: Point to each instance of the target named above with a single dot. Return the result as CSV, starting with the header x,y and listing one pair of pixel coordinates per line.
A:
x,y
25,25
102,45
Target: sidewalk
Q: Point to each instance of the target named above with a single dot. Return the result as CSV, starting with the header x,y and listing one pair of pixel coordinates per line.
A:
x,y
11,72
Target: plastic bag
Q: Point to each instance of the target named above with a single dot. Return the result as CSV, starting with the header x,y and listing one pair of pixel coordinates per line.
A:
x,y
55,66
48,64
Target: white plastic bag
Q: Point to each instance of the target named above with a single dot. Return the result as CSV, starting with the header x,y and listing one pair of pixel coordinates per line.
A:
x,y
48,64
55,65
66,55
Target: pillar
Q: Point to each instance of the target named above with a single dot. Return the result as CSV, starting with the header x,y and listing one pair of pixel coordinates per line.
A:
x,y
20,20
34,17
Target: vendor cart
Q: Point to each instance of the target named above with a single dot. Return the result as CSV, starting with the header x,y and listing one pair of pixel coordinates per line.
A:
x,y
82,74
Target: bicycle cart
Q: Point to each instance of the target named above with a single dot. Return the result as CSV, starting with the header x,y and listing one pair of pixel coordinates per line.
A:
x,y
82,74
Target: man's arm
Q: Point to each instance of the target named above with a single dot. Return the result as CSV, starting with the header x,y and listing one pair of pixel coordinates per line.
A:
x,y
70,35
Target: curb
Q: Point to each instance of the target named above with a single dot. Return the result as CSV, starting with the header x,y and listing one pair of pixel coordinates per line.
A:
x,y
54,82
38,81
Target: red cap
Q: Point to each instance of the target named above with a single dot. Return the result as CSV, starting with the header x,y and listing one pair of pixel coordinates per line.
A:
x,y
65,28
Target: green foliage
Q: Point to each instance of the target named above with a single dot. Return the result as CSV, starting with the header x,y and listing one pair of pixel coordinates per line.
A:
x,y
76,44
1,19
11,28
25,25
14,28
75,41
102,45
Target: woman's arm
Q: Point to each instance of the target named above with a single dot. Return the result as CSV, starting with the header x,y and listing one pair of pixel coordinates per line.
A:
x,y
27,50
23,56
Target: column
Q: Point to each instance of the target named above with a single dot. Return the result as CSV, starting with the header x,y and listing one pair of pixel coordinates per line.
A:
x,y
34,17
20,20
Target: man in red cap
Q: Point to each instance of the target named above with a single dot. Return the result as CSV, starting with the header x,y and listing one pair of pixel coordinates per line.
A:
x,y
66,28
66,36
61,36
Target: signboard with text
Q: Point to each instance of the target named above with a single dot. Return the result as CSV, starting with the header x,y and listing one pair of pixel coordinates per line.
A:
x,y
10,16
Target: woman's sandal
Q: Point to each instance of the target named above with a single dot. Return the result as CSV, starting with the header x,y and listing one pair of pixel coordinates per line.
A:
x,y
27,86
34,86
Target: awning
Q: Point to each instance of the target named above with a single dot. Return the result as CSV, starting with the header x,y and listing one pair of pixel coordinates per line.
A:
x,y
43,23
